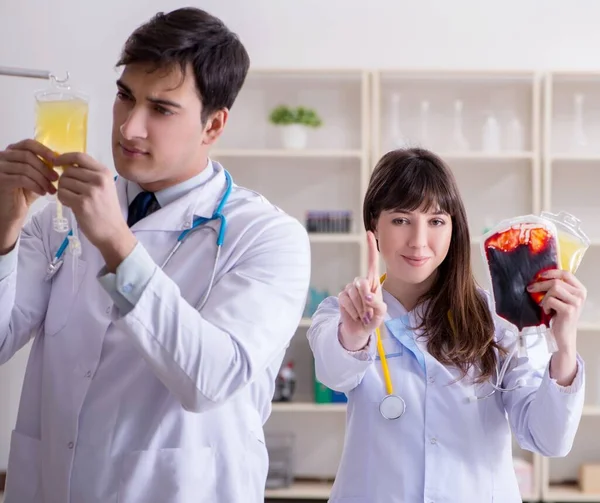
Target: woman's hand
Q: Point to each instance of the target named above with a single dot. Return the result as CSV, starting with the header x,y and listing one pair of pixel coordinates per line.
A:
x,y
361,304
564,295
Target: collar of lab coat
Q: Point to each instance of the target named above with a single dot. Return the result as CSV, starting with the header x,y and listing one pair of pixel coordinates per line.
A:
x,y
179,214
399,322
396,310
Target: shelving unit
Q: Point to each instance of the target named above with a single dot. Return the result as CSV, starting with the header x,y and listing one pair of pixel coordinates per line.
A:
x,y
523,176
331,173
283,153
302,490
447,113
571,158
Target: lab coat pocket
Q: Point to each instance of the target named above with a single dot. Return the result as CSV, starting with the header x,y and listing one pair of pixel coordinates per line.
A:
x,y
64,293
169,476
24,467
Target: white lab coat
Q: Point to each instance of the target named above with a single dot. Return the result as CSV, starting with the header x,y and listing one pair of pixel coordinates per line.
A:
x,y
164,404
444,449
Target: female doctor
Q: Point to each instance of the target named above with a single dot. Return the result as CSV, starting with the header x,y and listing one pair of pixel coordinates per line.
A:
x,y
423,421
151,373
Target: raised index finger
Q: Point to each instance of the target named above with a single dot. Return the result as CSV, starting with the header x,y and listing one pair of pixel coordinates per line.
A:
x,y
373,261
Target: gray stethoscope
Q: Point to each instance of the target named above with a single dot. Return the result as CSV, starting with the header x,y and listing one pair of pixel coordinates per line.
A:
x,y
392,406
58,260
519,347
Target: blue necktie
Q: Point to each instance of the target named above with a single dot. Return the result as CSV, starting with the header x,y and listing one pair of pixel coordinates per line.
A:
x,y
404,334
143,204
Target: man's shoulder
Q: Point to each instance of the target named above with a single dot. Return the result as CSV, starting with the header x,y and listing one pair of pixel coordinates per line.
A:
x,y
249,210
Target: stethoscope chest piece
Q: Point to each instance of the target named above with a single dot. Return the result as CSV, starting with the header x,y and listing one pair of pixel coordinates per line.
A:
x,y
53,268
392,407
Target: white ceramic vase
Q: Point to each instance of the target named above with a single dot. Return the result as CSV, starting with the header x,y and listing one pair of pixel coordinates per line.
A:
x,y
294,136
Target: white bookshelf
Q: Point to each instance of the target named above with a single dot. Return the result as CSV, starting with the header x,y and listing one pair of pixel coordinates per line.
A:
x,y
496,183
287,153
570,173
332,174
302,490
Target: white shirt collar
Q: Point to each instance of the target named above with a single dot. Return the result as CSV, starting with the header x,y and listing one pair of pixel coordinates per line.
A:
x,y
171,194
395,309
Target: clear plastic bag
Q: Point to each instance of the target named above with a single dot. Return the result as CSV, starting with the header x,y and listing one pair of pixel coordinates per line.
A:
x,y
572,241
61,122
61,117
516,252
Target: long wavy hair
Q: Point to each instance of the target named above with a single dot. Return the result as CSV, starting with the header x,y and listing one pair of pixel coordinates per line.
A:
x,y
457,321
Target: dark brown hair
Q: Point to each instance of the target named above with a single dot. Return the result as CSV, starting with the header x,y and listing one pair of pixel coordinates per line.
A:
x,y
457,320
191,36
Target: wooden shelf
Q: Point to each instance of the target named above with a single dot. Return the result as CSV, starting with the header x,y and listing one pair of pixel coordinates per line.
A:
x,y
305,323
485,156
589,327
568,492
308,407
336,238
591,410
305,490
265,153
575,157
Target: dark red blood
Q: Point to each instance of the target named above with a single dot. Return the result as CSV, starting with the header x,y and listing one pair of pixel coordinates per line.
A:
x,y
516,258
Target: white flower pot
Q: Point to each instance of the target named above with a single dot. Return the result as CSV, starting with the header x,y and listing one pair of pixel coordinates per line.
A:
x,y
294,136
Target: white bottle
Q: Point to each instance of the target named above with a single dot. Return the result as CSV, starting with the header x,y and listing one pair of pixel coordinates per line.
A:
x,y
514,135
424,138
398,138
460,143
490,140
579,136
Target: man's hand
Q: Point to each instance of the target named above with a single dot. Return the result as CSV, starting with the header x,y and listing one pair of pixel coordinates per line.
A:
x,y
87,187
25,174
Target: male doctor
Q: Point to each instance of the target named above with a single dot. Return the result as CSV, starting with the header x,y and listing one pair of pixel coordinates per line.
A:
x,y
131,395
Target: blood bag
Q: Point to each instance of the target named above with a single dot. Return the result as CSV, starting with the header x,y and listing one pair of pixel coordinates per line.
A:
x,y
516,252
572,241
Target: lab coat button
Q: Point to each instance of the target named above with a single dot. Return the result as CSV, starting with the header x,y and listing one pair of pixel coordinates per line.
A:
x,y
433,440
431,380
127,288
71,445
108,310
186,225
88,374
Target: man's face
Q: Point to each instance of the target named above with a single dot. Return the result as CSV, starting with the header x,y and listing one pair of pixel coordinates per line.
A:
x,y
158,138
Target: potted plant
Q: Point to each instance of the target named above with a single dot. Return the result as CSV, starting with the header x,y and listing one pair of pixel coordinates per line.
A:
x,y
294,124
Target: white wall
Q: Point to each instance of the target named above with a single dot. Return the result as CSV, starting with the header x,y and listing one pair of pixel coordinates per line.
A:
x,y
85,38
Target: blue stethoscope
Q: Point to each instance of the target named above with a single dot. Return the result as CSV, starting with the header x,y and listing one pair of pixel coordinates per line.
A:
x,y
58,260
